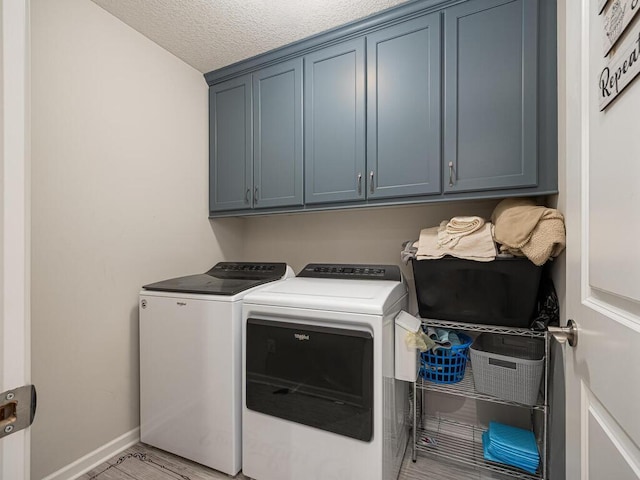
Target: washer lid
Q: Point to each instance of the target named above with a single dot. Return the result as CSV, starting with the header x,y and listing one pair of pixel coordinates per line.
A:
x,y
350,296
225,278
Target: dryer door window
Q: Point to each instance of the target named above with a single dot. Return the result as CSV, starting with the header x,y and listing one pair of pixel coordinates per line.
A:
x,y
316,376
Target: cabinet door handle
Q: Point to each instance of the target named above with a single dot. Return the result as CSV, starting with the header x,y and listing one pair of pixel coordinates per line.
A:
x,y
451,174
371,182
255,195
359,184
246,195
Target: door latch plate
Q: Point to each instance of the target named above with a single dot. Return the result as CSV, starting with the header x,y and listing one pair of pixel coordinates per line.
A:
x,y
17,409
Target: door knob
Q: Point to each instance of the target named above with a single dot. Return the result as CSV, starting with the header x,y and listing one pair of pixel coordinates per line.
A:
x,y
565,334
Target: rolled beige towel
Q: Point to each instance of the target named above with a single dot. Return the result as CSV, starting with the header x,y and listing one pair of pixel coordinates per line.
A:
x,y
457,228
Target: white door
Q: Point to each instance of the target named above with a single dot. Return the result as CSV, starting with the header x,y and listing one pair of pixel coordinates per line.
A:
x,y
14,223
603,258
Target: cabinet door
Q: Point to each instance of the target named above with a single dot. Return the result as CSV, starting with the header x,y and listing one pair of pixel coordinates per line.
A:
x,y
277,135
490,136
403,109
230,152
334,120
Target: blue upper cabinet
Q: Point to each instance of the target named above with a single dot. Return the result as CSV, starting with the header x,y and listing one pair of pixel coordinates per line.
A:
x,y
431,100
334,121
403,109
230,148
255,158
490,95
277,135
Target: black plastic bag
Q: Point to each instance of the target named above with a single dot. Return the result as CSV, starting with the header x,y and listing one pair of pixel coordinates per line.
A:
x,y
548,305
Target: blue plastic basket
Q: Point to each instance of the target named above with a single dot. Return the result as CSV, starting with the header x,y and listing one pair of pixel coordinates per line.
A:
x,y
446,365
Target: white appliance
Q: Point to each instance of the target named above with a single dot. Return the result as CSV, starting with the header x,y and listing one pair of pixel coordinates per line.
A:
x,y
190,361
320,400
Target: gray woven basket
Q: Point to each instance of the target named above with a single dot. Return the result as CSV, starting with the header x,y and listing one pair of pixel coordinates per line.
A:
x,y
508,367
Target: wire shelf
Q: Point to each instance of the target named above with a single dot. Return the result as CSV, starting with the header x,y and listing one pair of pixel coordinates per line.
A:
x,y
466,388
474,327
462,443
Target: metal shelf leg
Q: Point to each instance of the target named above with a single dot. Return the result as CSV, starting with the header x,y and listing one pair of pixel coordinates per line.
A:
x,y
414,453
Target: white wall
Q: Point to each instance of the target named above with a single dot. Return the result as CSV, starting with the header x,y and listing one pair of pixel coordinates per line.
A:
x,y
119,199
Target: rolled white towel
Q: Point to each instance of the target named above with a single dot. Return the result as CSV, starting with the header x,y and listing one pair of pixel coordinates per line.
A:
x,y
452,231
465,225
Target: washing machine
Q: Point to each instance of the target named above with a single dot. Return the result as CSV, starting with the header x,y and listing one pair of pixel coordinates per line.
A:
x,y
190,361
319,397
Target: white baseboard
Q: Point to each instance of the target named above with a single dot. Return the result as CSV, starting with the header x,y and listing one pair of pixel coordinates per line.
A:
x,y
98,456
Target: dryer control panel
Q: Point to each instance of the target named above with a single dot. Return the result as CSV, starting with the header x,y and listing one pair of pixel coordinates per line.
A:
x,y
352,271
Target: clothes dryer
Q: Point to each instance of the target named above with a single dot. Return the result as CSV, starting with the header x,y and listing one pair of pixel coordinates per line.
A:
x,y
320,400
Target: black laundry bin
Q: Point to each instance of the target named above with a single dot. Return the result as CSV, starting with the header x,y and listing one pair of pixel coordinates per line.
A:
x,y
501,292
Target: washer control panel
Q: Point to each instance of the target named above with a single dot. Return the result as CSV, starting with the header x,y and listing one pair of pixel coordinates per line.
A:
x,y
248,270
352,271
246,267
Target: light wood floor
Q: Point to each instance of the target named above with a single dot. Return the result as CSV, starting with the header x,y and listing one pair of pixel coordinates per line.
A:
x,y
142,462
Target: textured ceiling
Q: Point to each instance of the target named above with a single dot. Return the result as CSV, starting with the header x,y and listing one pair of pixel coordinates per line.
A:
x,y
209,34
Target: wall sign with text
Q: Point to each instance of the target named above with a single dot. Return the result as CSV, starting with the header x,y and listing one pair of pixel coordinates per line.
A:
x,y
601,5
622,67
617,16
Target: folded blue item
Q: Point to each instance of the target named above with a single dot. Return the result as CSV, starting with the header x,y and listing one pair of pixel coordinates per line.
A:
x,y
513,459
518,440
511,446
502,450
488,455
